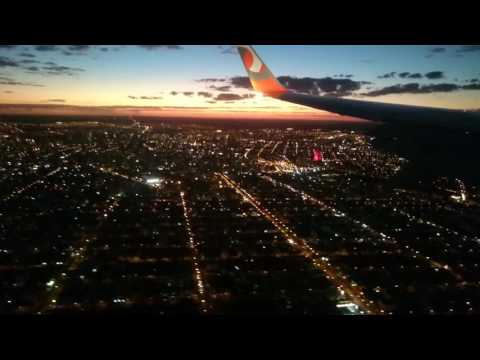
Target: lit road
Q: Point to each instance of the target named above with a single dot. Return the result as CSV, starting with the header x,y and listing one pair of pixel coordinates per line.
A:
x,y
418,220
198,275
114,173
409,249
285,149
247,151
263,148
323,206
19,191
343,284
275,147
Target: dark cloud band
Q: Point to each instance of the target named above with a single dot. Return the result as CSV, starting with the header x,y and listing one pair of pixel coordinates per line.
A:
x,y
416,88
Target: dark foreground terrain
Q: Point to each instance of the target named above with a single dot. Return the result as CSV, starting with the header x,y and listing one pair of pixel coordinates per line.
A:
x,y
103,215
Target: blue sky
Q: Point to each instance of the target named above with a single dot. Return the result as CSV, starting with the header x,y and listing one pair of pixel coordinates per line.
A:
x,y
121,75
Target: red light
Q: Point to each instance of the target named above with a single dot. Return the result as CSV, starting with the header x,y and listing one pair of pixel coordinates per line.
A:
x,y
317,155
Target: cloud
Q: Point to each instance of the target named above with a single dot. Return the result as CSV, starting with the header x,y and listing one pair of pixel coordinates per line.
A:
x,y
345,87
241,82
143,97
316,86
388,75
66,50
18,83
151,97
8,47
56,100
412,88
232,50
434,75
212,80
438,50
415,76
32,68
29,61
416,88
231,97
471,87
8,92
469,48
220,88
46,47
62,70
409,75
228,97
445,87
27,55
79,47
224,96
104,49
6,62
155,47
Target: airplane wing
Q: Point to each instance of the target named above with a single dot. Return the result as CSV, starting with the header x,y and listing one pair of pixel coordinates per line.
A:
x,y
264,81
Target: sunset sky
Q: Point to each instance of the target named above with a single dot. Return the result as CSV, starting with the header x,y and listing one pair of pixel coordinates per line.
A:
x,y
205,81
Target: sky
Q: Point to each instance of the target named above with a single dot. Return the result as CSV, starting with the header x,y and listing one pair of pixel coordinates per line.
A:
x,y
209,80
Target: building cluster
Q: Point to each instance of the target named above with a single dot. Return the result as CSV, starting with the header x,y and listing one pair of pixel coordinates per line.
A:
x,y
176,219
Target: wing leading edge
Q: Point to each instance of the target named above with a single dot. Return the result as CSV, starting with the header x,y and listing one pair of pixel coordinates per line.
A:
x,y
264,81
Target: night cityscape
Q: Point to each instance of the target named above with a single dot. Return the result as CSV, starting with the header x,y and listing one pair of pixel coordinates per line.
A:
x,y
174,217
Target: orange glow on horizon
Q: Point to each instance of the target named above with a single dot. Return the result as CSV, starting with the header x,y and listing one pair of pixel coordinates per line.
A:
x,y
166,112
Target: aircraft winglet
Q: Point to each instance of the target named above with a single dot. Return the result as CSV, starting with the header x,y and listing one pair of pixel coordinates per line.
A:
x,y
265,82
260,76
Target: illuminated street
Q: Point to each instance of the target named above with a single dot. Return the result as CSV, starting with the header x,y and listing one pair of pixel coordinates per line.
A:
x,y
195,258
381,236
322,263
129,215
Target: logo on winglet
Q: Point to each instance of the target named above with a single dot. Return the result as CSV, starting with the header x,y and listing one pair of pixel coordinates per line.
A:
x,y
251,60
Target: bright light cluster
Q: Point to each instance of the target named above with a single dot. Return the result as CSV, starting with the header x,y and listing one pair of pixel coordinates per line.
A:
x,y
351,289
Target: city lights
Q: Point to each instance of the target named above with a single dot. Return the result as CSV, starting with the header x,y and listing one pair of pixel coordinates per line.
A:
x,y
136,215
195,255
299,244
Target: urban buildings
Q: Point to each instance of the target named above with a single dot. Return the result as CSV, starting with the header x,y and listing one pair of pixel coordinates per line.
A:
x,y
175,218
